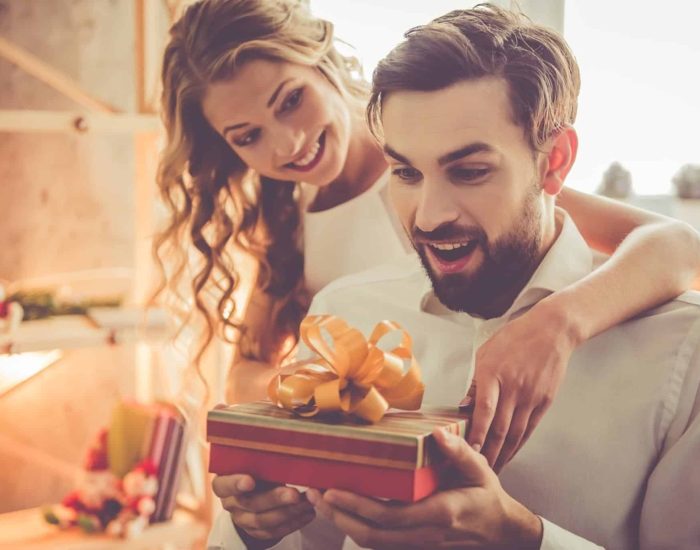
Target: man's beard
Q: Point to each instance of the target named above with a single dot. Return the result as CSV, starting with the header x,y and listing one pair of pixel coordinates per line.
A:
x,y
507,264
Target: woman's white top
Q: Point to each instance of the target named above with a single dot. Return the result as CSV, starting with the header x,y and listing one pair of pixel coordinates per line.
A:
x,y
353,236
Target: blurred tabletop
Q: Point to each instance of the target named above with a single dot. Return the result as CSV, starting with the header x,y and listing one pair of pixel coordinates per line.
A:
x,y
27,530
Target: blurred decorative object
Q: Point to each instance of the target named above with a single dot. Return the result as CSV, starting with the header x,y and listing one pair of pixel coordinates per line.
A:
x,y
101,498
11,312
616,182
131,473
139,488
72,292
687,181
67,293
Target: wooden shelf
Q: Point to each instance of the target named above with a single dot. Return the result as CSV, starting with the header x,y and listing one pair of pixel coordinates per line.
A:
x,y
27,530
25,120
104,326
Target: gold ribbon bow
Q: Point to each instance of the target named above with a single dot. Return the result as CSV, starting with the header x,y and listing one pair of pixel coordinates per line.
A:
x,y
352,375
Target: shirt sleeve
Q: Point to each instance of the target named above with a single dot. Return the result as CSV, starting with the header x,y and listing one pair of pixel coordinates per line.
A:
x,y
556,538
669,517
223,536
319,534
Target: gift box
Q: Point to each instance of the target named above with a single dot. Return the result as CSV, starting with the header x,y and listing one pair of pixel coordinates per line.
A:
x,y
395,458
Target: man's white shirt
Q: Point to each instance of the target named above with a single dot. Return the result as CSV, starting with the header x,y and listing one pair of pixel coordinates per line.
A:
x,y
616,460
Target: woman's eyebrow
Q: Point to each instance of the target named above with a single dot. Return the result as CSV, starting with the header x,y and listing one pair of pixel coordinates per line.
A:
x,y
273,97
270,103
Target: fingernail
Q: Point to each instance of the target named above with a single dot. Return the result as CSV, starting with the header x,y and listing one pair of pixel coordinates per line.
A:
x,y
312,497
476,447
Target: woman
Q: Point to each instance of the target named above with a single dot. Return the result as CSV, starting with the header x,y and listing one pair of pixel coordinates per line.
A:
x,y
255,100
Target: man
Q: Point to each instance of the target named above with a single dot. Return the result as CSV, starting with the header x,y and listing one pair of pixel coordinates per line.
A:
x,y
476,111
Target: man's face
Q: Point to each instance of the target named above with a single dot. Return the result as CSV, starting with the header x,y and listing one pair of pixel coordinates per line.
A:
x,y
466,186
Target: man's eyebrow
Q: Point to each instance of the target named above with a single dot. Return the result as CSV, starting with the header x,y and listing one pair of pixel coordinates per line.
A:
x,y
472,148
465,151
270,102
396,156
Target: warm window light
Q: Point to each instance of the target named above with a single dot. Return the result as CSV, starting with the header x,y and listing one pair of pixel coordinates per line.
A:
x,y
639,93
374,27
19,367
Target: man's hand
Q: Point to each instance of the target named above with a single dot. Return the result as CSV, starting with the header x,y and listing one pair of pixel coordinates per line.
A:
x,y
518,372
478,513
261,511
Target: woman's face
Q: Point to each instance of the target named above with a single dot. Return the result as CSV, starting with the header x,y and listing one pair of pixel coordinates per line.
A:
x,y
285,121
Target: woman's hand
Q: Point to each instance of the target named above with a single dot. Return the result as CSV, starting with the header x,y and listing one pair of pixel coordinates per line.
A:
x,y
517,375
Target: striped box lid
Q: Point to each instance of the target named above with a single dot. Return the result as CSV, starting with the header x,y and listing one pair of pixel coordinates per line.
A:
x,y
401,439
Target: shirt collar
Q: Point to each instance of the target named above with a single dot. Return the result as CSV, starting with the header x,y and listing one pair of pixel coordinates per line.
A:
x,y
568,260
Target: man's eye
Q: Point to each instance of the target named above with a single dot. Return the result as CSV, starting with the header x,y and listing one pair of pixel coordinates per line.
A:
x,y
248,138
469,174
293,99
406,174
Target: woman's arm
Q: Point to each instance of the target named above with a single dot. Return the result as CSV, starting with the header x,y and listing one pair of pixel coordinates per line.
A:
x,y
654,258
248,379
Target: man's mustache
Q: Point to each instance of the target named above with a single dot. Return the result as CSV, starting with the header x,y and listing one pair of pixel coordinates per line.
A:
x,y
449,232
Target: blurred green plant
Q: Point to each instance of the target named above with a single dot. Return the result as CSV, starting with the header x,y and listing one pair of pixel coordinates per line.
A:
x,y
39,304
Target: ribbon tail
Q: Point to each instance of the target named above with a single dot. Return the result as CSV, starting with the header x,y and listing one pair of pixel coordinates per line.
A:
x,y
371,407
408,393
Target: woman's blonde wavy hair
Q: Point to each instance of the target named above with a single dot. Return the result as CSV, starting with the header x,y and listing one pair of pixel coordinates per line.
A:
x,y
216,203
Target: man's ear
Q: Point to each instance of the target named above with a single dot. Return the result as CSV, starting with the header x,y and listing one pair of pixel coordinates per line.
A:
x,y
560,159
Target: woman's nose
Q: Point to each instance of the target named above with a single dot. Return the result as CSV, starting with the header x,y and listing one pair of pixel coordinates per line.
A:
x,y
288,143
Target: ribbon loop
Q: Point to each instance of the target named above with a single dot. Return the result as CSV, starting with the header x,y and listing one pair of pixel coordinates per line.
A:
x,y
350,374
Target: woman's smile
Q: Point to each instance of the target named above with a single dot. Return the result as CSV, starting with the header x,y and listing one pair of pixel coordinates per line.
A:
x,y
308,160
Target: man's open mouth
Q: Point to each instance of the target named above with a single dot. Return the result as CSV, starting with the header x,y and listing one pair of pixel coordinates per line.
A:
x,y
450,257
452,252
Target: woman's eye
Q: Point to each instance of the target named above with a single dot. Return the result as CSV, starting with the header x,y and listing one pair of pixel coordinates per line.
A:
x,y
469,174
247,139
293,99
406,174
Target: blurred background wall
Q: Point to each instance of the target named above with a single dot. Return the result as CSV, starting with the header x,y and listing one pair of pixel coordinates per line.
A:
x,y
67,203
66,199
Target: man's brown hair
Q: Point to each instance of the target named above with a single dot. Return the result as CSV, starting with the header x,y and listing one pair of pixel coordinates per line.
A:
x,y
486,41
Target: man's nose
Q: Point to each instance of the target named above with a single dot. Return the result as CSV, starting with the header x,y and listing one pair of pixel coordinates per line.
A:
x,y
288,142
436,206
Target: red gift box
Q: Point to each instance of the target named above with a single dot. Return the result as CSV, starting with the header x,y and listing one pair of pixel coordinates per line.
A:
x,y
395,458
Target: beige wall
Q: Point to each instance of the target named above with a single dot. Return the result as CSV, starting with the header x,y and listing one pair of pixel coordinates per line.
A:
x,y
66,200
66,204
